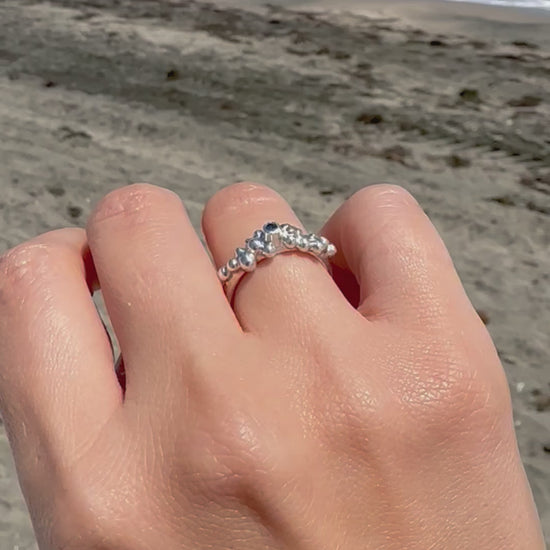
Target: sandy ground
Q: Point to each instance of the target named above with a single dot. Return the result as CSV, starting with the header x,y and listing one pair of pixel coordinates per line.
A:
x,y
452,102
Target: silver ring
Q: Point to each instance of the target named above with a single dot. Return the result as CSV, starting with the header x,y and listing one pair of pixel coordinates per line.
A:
x,y
271,240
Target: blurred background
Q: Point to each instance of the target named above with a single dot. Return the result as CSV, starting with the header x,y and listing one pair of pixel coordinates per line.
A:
x,y
449,99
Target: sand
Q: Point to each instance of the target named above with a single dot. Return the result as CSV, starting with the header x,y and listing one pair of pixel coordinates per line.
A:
x,y
451,101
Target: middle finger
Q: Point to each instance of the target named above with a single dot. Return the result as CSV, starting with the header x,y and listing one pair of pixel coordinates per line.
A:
x,y
160,288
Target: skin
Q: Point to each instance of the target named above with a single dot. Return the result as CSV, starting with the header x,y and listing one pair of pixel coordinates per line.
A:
x,y
364,411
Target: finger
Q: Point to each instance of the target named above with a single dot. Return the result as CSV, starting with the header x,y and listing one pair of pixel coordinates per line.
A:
x,y
284,292
402,266
58,388
160,287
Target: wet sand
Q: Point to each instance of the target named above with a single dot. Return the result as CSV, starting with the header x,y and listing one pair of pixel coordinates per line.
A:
x,y
452,102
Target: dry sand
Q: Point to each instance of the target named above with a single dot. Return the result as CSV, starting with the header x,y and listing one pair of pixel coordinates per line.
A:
x,y
451,101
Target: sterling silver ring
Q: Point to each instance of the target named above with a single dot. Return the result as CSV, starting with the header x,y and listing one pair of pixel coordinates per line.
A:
x,y
271,240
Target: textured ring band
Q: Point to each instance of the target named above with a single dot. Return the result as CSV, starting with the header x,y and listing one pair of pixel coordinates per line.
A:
x,y
271,240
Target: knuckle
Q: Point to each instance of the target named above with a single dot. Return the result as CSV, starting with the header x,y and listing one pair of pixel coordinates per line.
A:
x,y
94,511
229,451
240,196
351,414
131,202
350,426
81,520
384,195
25,265
456,400
238,449
398,220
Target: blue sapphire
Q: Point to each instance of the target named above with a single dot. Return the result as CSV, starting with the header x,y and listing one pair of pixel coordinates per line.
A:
x,y
271,227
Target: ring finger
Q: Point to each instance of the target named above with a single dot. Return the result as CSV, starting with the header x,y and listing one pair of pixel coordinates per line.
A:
x,y
291,291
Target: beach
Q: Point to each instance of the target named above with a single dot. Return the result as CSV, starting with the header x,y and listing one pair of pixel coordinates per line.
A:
x,y
450,100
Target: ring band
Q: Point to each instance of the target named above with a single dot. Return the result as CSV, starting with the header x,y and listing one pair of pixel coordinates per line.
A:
x,y
271,240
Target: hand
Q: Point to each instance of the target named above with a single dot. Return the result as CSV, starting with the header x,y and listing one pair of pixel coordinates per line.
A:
x,y
295,419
